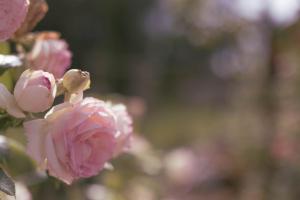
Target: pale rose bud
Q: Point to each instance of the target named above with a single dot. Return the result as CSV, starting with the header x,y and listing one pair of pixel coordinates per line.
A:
x,y
12,14
75,81
74,140
35,91
50,55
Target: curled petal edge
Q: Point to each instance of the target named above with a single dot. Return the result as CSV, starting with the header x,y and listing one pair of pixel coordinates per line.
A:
x,y
8,103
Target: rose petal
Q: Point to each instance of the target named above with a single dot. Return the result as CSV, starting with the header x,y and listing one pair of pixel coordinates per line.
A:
x,y
34,130
29,100
8,102
55,166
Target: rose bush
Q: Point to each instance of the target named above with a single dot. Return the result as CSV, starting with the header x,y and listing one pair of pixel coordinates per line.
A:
x,y
72,140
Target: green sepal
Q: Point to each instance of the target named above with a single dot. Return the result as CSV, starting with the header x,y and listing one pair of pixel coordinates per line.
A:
x,y
7,121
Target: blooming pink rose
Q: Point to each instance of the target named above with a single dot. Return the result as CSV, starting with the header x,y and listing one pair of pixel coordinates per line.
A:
x,y
74,140
12,14
51,55
35,91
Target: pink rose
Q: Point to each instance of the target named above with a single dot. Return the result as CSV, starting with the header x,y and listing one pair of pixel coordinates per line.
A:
x,y
51,55
12,14
35,91
74,140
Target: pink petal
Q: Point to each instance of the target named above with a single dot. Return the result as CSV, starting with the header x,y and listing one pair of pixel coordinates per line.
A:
x,y
36,139
56,168
8,102
31,102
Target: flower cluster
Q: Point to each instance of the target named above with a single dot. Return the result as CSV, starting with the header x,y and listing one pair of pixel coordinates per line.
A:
x,y
75,138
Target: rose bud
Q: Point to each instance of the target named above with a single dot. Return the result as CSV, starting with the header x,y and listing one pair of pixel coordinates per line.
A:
x,y
50,54
35,91
12,14
74,140
75,81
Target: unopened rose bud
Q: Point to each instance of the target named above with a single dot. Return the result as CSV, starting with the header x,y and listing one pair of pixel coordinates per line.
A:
x,y
35,91
75,81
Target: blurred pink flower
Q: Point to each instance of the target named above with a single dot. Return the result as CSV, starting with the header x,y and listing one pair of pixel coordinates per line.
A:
x,y
74,140
35,91
50,54
12,14
285,148
182,160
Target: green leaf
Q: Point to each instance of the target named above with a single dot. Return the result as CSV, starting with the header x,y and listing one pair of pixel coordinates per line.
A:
x,y
6,79
13,157
4,48
7,121
7,185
